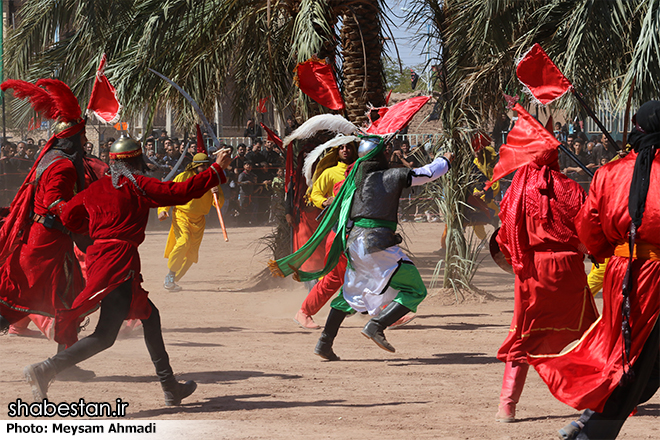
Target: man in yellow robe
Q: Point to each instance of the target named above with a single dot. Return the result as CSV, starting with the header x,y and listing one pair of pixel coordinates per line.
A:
x,y
188,223
485,160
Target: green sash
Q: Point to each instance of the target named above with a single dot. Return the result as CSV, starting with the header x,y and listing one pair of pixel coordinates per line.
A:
x,y
337,213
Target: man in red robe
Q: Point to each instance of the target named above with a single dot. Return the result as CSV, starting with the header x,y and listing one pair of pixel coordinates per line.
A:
x,y
114,211
553,306
616,364
39,271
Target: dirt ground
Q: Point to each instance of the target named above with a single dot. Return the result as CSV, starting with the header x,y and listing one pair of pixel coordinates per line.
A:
x,y
259,379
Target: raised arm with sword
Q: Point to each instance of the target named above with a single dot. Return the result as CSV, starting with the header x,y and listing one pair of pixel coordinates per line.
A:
x,y
209,130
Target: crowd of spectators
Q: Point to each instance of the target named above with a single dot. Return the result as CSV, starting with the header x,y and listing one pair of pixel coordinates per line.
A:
x,y
253,192
594,152
255,189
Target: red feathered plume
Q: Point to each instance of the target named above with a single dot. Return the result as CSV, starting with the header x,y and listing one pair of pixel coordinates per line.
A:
x,y
67,107
42,102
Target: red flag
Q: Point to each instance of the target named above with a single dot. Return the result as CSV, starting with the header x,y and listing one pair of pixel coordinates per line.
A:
x,y
480,140
273,137
316,79
541,77
387,100
103,102
262,105
290,167
201,146
525,142
34,124
550,126
398,116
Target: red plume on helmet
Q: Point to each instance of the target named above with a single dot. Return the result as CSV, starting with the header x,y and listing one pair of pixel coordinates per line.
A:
x,y
65,102
42,102
53,99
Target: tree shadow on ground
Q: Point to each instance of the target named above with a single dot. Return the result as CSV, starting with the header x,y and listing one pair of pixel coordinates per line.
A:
x,y
457,315
194,344
537,419
452,326
240,403
452,359
203,330
201,377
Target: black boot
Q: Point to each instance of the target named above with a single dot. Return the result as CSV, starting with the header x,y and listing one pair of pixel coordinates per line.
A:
x,y
388,316
74,373
40,376
4,325
324,346
176,391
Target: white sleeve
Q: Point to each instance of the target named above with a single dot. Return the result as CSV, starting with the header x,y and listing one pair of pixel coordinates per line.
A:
x,y
430,172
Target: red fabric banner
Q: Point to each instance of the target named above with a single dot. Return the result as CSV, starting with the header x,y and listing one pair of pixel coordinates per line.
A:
x,y
201,146
103,102
550,126
262,105
272,136
398,116
541,76
527,141
480,140
316,79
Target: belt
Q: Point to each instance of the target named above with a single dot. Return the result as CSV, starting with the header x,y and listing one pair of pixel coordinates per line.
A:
x,y
642,251
374,223
50,223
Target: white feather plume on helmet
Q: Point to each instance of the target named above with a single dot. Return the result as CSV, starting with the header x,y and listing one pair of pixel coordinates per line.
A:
x,y
319,151
333,123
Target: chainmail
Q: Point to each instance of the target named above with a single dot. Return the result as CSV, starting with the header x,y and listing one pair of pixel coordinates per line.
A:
x,y
119,168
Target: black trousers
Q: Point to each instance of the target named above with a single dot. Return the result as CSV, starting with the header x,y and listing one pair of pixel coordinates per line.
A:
x,y
607,424
114,310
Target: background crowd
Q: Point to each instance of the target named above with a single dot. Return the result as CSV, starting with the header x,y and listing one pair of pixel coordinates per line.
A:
x,y
254,193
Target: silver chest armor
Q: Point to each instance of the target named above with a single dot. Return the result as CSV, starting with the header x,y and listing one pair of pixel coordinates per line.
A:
x,y
377,198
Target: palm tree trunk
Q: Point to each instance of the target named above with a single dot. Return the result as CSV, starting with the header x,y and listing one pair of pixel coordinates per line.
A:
x,y
362,48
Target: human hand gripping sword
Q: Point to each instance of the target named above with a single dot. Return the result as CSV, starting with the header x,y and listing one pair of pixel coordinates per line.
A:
x,y
209,130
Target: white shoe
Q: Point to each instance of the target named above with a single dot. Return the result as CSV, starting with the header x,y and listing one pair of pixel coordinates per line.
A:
x,y
170,285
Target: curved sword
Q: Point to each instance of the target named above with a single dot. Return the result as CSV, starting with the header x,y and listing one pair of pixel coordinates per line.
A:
x,y
192,102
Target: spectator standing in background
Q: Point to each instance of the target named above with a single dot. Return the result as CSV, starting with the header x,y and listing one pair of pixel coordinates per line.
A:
x,y
7,175
252,131
239,160
247,184
274,159
170,158
291,125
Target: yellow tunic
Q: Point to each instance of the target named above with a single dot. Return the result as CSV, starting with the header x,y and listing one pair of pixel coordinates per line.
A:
x,y
322,188
487,169
596,277
187,231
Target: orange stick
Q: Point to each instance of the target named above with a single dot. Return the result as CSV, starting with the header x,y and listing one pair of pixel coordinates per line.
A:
x,y
222,222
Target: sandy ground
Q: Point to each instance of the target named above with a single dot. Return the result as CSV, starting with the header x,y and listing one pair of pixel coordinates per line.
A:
x,y
259,379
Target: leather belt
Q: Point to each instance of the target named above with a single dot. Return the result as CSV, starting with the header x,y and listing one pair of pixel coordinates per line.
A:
x,y
50,224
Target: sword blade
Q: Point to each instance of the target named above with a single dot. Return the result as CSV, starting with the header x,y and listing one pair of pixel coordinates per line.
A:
x,y
194,104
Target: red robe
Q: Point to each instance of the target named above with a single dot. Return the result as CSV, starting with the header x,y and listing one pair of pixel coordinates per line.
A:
x,y
553,305
116,219
586,376
41,273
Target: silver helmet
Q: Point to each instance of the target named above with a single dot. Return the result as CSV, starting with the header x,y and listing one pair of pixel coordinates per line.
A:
x,y
368,143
